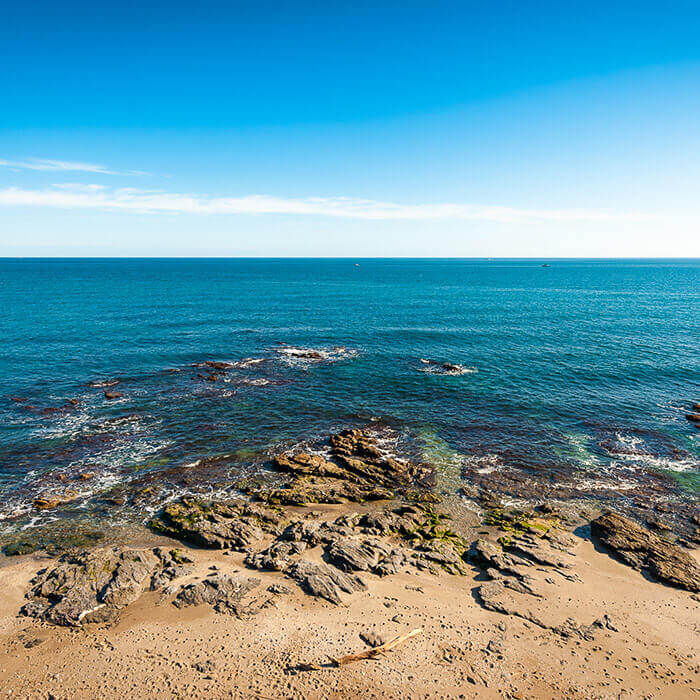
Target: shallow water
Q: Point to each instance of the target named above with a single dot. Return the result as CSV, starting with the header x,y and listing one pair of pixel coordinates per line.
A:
x,y
577,377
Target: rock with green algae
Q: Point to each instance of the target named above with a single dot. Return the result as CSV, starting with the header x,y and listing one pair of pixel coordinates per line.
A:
x,y
54,539
217,524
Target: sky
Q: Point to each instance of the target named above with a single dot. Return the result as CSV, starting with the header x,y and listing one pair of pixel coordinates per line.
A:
x,y
397,129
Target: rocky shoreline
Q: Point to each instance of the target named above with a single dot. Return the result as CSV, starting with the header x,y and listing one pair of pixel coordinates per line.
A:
x,y
276,527
338,523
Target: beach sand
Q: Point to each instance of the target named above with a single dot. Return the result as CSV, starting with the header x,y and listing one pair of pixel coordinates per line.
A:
x,y
647,647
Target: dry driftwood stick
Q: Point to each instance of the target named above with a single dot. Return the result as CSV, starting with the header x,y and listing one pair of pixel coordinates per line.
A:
x,y
376,651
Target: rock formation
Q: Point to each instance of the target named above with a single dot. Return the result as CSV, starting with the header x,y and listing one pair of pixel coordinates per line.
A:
x,y
644,550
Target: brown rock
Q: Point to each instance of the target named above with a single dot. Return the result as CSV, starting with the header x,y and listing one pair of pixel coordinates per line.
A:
x,y
111,395
44,503
643,550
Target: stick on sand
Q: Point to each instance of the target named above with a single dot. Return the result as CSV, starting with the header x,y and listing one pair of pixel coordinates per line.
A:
x,y
376,651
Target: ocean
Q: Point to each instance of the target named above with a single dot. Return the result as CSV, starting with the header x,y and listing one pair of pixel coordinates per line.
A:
x,y
532,379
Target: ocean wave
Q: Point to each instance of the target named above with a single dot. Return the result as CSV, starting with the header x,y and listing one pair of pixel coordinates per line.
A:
x,y
247,362
297,355
483,464
446,368
632,451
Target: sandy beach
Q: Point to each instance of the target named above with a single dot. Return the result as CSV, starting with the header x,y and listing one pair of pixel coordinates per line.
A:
x,y
542,611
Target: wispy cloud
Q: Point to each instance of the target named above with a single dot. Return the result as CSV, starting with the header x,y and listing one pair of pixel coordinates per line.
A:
x,y
75,196
47,165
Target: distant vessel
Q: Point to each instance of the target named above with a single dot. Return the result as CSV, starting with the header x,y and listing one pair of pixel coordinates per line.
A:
x,y
546,265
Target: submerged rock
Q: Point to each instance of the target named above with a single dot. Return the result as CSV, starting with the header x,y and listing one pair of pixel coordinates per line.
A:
x,y
94,586
449,368
643,550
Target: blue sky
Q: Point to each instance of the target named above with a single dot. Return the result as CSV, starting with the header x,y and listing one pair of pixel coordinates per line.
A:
x,y
390,129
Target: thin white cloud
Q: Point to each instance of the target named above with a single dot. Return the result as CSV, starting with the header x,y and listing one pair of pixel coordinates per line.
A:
x,y
70,196
47,165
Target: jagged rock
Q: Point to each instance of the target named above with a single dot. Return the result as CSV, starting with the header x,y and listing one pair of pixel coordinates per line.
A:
x,y
443,554
520,583
527,547
306,464
403,520
224,592
493,556
93,586
324,581
276,557
643,550
215,525
174,563
303,531
350,555
498,597
310,490
357,470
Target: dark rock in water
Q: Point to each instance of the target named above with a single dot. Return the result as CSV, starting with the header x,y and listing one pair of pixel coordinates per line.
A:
x,y
224,592
216,525
54,539
47,503
449,368
218,365
643,550
693,417
324,581
111,395
94,586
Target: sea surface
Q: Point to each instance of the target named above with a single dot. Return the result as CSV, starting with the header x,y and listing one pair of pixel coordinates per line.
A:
x,y
566,378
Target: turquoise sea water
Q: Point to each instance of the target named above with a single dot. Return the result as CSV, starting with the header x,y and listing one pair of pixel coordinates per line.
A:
x,y
576,377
